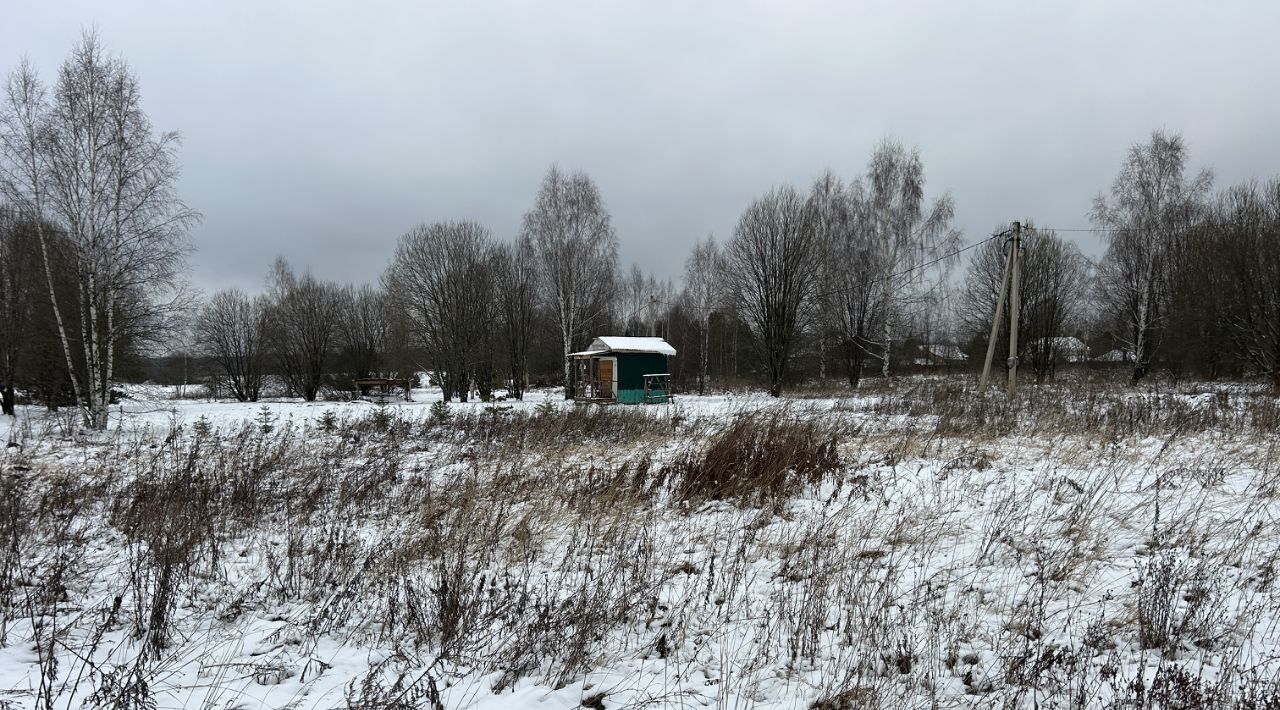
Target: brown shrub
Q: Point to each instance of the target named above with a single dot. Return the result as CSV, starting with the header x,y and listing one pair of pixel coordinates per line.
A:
x,y
760,458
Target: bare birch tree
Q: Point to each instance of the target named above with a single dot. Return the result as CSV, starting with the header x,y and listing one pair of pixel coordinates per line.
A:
x,y
1153,204
772,263
912,239
86,159
703,293
635,292
230,331
663,300
24,140
577,250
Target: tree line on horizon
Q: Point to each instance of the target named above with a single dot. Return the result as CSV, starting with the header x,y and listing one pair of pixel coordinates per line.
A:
x,y
846,276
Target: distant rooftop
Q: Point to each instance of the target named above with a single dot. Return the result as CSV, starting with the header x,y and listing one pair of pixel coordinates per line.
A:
x,y
627,344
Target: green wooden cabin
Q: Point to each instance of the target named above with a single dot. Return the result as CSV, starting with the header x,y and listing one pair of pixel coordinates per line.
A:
x,y
620,369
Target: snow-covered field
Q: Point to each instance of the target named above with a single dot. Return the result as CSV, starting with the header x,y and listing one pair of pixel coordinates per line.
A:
x,y
913,547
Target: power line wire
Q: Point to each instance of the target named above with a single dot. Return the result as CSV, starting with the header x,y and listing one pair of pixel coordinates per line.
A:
x,y
880,279
905,272
925,265
1082,229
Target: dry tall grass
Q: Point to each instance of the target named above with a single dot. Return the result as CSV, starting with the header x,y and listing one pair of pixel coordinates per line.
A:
x,y
924,548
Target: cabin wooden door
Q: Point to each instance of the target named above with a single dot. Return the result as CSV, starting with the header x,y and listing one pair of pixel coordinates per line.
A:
x,y
607,375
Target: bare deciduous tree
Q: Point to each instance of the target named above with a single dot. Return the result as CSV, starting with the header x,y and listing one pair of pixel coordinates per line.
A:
x,y
703,293
16,290
850,303
635,294
85,158
1053,295
910,237
772,262
230,330
302,321
363,332
577,251
24,180
1243,239
1153,203
1198,332
441,276
516,284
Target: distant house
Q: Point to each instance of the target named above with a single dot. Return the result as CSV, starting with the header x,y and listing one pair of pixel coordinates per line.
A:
x,y
938,354
1064,349
624,370
1118,355
382,390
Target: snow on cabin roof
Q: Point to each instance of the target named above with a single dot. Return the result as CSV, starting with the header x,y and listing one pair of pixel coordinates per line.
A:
x,y
627,344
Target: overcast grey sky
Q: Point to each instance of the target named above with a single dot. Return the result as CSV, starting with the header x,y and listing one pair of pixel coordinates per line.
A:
x,y
322,131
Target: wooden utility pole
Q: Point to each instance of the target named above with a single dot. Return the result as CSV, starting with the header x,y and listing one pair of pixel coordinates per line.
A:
x,y
1015,254
653,315
995,322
